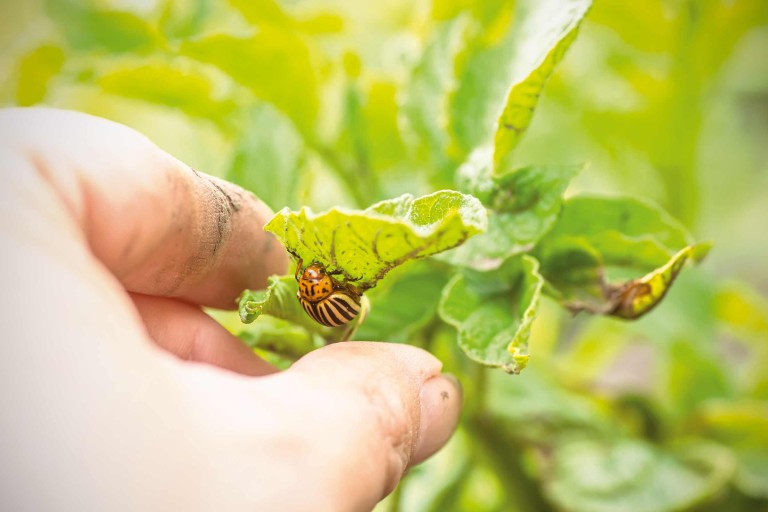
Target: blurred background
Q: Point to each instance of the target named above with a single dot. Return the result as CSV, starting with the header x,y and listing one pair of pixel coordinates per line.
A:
x,y
331,102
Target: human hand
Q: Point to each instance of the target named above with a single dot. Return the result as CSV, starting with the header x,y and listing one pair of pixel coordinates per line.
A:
x,y
118,392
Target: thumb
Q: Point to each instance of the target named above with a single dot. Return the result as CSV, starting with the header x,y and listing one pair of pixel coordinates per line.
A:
x,y
385,407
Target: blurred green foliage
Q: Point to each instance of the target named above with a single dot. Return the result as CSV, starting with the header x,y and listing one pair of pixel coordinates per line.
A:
x,y
336,102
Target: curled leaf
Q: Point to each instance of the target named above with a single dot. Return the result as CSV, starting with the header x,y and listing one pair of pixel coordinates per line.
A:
x,y
361,246
637,297
493,312
632,299
598,241
279,300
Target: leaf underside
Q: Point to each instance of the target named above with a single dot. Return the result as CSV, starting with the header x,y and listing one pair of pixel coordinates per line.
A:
x,y
361,246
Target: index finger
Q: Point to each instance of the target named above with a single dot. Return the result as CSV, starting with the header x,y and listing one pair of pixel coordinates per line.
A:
x,y
159,226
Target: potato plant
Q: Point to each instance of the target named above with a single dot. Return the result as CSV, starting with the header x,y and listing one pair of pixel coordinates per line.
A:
x,y
390,138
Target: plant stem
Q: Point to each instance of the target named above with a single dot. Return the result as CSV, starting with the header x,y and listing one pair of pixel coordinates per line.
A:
x,y
481,390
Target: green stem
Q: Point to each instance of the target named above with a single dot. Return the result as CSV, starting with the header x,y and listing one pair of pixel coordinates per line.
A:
x,y
481,390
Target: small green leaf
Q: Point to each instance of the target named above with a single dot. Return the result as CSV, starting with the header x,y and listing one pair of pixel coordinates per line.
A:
x,y
90,28
178,85
278,300
493,312
363,245
35,71
626,475
274,64
550,28
523,206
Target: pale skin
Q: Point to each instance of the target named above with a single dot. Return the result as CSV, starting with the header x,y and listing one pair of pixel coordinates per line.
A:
x,y
117,391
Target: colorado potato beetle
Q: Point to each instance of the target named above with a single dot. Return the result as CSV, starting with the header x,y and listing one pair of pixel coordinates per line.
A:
x,y
325,300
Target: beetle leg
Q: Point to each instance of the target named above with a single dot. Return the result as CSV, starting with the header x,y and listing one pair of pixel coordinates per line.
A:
x,y
298,268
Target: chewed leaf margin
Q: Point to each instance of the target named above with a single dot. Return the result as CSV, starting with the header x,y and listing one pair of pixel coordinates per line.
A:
x,y
360,247
547,49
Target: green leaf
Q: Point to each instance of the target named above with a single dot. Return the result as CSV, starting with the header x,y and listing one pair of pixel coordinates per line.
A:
x,y
603,220
500,77
269,158
405,302
177,85
626,475
363,245
493,312
89,28
523,206
425,103
35,70
278,300
274,64
548,31
595,237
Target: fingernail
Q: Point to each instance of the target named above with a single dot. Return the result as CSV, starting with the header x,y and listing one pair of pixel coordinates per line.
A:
x,y
441,398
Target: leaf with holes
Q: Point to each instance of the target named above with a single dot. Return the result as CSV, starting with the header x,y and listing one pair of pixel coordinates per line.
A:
x,y
362,246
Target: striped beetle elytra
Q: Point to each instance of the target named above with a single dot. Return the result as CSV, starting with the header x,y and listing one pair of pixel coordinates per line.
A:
x,y
325,300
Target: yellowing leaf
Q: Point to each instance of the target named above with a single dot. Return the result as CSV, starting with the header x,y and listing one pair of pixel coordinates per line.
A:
x,y
35,71
363,245
638,297
551,28
502,70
